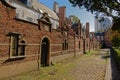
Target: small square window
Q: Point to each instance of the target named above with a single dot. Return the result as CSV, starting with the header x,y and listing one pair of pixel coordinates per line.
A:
x,y
29,19
23,1
16,49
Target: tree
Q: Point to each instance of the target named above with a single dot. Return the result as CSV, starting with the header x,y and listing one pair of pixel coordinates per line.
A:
x,y
74,19
116,41
109,7
116,26
114,37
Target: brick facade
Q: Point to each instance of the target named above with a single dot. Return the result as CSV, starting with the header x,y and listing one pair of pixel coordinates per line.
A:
x,y
34,36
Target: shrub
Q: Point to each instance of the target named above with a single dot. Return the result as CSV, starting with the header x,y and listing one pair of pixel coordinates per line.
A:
x,y
116,41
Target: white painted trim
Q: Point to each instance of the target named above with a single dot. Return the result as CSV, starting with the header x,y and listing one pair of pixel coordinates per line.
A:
x,y
4,44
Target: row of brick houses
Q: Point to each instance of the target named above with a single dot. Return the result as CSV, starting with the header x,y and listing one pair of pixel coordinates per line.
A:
x,y
32,35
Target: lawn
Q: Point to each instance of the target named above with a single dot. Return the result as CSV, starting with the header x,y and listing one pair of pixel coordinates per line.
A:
x,y
57,72
89,53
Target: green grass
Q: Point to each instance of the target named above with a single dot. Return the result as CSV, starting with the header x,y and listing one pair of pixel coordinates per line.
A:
x,y
117,56
57,72
89,53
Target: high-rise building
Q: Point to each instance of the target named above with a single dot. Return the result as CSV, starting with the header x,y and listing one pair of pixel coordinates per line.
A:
x,y
102,24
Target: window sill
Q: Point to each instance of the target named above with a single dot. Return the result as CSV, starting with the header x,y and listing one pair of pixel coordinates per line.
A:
x,y
17,57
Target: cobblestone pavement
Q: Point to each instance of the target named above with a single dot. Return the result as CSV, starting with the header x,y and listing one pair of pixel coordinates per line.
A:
x,y
90,67
84,67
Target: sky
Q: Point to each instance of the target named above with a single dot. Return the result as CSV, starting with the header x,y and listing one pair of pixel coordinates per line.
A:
x,y
82,14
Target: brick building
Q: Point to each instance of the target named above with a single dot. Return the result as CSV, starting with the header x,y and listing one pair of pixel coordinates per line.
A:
x,y
31,37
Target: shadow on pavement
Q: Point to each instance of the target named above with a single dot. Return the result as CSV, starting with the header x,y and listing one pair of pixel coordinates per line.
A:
x,y
114,66
106,57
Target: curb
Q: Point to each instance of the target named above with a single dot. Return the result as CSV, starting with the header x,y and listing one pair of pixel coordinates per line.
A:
x,y
108,72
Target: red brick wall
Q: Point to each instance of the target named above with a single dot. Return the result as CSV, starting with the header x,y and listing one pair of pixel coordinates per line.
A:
x,y
30,33
33,36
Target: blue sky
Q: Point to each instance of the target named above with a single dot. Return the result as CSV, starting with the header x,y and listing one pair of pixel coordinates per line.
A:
x,y
82,14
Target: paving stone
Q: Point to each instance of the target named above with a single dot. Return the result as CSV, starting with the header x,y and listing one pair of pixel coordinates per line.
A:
x,y
90,67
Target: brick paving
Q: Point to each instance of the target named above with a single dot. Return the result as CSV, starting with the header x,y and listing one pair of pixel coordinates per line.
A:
x,y
90,67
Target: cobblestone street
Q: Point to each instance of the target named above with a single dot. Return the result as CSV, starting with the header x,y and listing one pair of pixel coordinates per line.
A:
x,y
59,39
85,67
90,67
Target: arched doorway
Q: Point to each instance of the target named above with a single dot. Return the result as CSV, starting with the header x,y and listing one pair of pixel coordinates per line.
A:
x,y
45,52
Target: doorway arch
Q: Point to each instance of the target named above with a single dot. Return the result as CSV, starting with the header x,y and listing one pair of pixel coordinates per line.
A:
x,y
45,52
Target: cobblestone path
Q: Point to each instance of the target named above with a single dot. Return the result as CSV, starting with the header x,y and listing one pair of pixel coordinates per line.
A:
x,y
90,67
84,67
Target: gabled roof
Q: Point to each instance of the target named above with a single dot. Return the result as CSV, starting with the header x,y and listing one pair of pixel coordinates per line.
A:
x,y
39,6
7,4
36,5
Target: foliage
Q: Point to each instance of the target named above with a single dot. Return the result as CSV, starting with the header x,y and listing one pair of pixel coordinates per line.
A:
x,y
118,51
117,56
107,7
116,41
75,19
116,26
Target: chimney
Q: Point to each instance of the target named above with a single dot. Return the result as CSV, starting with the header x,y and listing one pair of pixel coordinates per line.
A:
x,y
79,28
87,29
62,15
56,8
87,26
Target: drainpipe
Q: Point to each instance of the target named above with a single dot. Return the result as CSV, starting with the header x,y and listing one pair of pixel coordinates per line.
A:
x,y
38,59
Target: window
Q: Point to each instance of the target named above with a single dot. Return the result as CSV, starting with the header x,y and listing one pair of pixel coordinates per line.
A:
x,y
17,15
86,44
26,2
16,49
79,44
65,45
62,46
0,16
29,19
22,48
23,1
29,3
14,45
